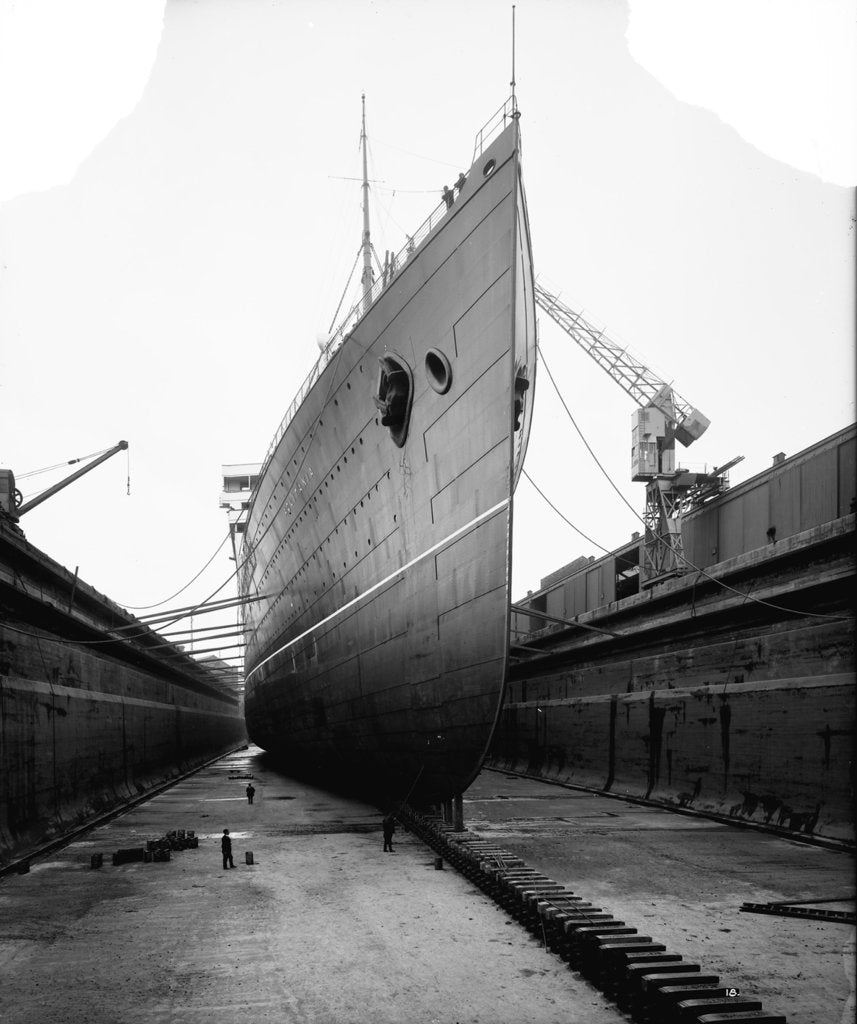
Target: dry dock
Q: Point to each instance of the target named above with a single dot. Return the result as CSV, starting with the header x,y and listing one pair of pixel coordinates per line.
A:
x,y
325,927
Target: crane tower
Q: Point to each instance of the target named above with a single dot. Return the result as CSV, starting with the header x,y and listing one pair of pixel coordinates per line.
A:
x,y
663,417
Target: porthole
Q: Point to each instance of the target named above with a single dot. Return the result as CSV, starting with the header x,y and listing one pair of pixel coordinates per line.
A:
x,y
438,371
488,168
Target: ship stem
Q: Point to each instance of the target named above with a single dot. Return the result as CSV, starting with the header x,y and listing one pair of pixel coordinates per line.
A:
x,y
367,245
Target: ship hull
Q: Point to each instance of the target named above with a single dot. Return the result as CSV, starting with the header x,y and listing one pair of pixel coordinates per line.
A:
x,y
377,560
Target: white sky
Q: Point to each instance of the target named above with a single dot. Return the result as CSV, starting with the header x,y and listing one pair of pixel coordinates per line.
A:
x,y
173,236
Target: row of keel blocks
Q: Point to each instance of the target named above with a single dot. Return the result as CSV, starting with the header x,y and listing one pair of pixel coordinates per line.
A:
x,y
639,974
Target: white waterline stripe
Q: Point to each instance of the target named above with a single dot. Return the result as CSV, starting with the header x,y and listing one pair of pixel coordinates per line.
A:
x,y
383,582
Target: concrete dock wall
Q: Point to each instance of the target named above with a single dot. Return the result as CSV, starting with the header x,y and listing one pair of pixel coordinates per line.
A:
x,y
95,709
79,738
705,700
775,753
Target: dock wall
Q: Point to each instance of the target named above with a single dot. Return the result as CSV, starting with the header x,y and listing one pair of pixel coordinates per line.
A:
x,y
705,699
89,722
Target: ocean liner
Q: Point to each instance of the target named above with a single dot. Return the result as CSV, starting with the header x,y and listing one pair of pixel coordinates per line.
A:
x,y
376,557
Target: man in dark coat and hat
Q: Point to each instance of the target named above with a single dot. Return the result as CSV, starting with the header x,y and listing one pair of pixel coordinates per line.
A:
x,y
226,848
389,827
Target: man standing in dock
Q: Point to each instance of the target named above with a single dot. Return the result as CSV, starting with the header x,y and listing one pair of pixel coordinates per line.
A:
x,y
226,848
389,827
251,789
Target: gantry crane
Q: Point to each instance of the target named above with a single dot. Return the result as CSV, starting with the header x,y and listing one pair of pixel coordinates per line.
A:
x,y
663,418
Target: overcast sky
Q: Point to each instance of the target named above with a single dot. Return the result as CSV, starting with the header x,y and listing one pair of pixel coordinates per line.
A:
x,y
176,229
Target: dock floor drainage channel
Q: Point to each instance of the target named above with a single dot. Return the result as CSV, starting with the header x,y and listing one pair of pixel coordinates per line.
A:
x,y
635,971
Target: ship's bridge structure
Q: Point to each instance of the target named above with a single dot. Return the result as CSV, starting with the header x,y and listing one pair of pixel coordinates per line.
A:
x,y
239,479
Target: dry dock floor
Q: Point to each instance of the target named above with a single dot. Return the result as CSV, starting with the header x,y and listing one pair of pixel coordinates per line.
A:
x,y
682,880
326,927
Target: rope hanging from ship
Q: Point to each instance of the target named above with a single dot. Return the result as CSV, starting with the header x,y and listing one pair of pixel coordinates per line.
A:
x,y
181,590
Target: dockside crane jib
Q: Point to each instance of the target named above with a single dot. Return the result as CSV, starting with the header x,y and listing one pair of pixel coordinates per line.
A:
x,y
13,507
663,417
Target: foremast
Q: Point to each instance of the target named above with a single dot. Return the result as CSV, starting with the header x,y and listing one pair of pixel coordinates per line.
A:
x,y
367,244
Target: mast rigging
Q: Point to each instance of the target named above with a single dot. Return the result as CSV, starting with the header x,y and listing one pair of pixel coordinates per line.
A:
x,y
367,244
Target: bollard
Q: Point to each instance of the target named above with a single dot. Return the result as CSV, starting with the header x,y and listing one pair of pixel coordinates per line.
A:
x,y
248,857
457,813
438,863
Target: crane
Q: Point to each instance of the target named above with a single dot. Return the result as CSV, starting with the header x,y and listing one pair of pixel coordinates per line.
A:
x,y
663,418
10,496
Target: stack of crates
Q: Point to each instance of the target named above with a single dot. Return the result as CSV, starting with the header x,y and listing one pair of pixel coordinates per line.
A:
x,y
129,856
182,839
157,850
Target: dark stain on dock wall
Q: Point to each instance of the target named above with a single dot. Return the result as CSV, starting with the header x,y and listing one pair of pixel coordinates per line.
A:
x,y
825,736
725,722
656,739
611,748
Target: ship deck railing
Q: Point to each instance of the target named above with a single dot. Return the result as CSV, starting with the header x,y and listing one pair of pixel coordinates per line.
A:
x,y
492,127
352,318
497,123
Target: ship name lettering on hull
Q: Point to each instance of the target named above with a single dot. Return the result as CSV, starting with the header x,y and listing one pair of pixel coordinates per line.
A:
x,y
300,485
